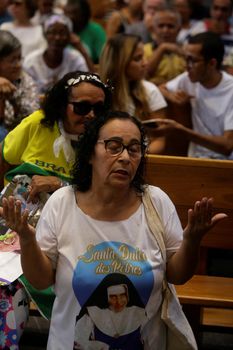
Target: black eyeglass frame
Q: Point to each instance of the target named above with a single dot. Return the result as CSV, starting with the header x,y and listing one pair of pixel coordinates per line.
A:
x,y
123,147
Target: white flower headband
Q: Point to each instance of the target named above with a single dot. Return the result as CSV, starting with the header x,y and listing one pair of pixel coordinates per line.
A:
x,y
88,78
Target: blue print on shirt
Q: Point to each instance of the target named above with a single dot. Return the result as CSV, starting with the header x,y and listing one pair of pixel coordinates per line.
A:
x,y
112,257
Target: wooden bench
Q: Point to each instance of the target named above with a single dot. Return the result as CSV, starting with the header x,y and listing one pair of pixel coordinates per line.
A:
x,y
186,180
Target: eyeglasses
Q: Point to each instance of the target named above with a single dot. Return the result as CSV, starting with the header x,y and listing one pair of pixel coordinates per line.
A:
x,y
116,147
84,107
191,61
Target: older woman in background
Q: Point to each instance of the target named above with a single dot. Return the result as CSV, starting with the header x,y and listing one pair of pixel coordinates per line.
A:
x,y
18,91
47,66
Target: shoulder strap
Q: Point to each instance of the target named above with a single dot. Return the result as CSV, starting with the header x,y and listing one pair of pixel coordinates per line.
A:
x,y
154,221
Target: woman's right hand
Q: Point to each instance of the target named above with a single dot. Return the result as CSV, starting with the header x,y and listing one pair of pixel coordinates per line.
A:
x,y
15,220
6,88
40,184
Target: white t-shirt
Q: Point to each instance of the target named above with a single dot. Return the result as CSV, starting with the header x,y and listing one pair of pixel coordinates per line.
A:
x,y
45,76
31,38
185,33
155,98
212,110
86,252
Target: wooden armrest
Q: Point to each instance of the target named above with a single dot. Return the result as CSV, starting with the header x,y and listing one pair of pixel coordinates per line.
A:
x,y
207,291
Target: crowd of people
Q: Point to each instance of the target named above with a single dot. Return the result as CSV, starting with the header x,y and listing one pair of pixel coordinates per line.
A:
x,y
76,98
58,37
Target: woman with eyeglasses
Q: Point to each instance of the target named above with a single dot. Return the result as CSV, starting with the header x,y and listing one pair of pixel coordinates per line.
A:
x,y
43,146
122,61
98,227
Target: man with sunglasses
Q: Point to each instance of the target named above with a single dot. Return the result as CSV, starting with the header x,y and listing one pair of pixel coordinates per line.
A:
x,y
210,93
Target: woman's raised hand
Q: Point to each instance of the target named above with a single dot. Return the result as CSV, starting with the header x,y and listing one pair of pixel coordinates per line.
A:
x,y
15,220
201,219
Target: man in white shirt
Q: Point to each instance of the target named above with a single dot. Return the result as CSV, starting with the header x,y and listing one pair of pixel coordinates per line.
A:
x,y
210,92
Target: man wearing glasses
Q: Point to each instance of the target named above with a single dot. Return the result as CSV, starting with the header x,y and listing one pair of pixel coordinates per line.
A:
x,y
210,93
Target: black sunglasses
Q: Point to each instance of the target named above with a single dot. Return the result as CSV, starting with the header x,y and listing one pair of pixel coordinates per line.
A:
x,y
16,3
84,107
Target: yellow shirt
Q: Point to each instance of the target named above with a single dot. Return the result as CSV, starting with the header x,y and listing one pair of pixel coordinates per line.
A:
x,y
29,147
169,67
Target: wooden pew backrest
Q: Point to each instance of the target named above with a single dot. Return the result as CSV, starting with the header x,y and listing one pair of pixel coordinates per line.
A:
x,y
186,180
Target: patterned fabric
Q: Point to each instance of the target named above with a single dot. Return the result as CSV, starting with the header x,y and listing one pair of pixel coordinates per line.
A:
x,y
14,312
23,102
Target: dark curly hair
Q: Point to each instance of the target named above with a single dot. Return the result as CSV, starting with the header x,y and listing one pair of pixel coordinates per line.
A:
x,y
8,43
82,169
56,99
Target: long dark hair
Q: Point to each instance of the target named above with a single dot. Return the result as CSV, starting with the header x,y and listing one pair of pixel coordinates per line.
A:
x,y
82,169
56,99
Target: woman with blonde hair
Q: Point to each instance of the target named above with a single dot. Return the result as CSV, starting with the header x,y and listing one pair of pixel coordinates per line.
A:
x,y
123,63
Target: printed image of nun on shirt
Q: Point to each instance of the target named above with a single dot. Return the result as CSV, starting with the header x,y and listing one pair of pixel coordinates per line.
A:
x,y
112,318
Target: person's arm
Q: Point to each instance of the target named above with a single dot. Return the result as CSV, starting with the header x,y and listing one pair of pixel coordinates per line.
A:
x,y
42,183
113,24
218,143
157,55
182,264
178,97
221,144
4,167
157,144
36,266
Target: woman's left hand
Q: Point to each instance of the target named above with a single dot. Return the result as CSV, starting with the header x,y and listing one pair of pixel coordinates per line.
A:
x,y
201,219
